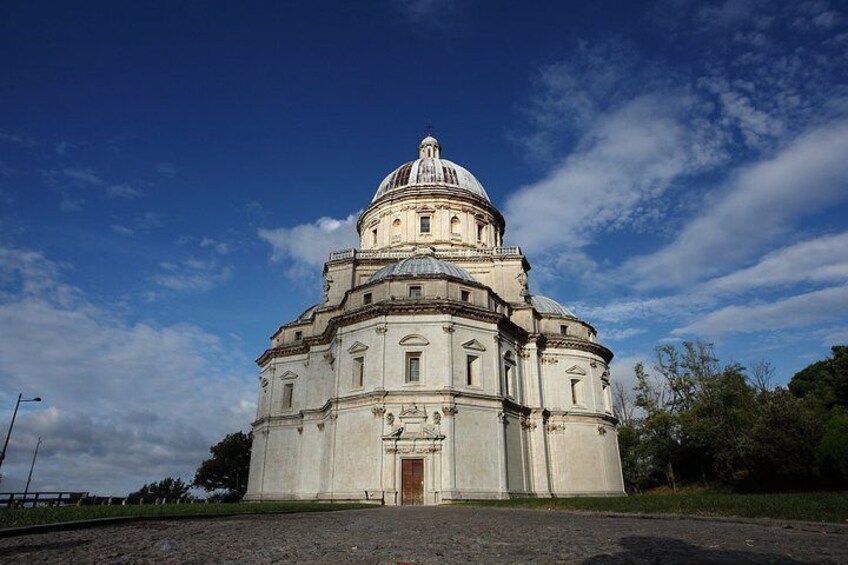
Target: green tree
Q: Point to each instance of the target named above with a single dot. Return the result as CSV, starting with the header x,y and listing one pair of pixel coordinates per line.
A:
x,y
832,450
695,415
168,488
781,443
826,381
228,467
658,429
635,467
715,427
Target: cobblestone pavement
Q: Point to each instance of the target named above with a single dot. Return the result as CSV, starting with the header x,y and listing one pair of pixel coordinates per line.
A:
x,y
436,535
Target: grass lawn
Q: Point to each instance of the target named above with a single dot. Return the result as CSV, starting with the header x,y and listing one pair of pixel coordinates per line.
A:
x,y
816,507
31,516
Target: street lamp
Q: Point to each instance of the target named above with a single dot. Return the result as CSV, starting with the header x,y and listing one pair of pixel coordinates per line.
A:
x,y
9,433
31,467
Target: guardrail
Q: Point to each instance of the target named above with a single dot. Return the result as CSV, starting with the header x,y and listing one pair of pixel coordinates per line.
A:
x,y
41,499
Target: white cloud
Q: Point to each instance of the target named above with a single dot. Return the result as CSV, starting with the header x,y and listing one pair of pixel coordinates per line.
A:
x,y
308,246
818,260
620,334
192,274
621,166
166,169
124,403
831,336
621,370
220,247
764,200
124,191
122,230
62,148
801,310
430,13
83,176
16,139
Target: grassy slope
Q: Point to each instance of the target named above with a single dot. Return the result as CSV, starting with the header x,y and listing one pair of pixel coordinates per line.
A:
x,y
817,507
32,516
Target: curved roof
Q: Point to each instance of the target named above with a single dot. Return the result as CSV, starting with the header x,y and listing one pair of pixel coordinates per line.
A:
x,y
308,313
421,266
430,170
550,307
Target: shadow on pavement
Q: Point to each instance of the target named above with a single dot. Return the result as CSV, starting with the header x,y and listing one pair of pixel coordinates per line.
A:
x,y
24,548
645,549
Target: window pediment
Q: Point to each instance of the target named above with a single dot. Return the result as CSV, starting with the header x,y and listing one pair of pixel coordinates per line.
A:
x,y
357,347
288,375
414,339
575,370
474,345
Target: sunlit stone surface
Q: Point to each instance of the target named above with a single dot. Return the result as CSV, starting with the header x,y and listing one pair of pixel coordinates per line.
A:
x,y
428,373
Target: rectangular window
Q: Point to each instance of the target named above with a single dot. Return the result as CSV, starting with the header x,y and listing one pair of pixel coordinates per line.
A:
x,y
575,396
415,292
367,298
359,372
465,295
563,330
413,367
480,232
298,336
607,400
424,222
288,391
472,370
374,236
508,384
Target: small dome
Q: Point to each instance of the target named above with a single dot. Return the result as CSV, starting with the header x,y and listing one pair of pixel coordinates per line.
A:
x,y
430,170
550,307
421,266
428,141
308,313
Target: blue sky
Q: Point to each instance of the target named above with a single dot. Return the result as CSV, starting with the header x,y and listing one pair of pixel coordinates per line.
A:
x,y
173,175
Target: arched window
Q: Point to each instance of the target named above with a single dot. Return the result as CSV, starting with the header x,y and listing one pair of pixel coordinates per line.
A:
x,y
481,233
456,227
396,230
509,375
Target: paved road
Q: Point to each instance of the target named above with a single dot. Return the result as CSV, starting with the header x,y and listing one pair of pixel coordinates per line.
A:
x,y
436,535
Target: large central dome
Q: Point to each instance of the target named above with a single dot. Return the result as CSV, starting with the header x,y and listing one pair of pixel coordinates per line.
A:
x,y
430,170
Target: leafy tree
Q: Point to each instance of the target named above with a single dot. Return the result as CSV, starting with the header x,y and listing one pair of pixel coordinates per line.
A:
x,y
659,430
824,381
228,467
168,488
635,465
832,450
781,443
714,428
695,420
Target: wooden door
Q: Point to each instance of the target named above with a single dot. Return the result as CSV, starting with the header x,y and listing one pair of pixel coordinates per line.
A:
x,y
413,481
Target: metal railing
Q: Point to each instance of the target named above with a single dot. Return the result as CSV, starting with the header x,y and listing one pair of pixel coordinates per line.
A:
x,y
513,251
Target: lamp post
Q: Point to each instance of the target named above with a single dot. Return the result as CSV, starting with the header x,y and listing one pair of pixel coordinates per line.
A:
x,y
31,467
11,425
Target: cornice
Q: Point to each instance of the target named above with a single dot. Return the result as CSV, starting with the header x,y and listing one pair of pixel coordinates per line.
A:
x,y
416,192
403,307
449,399
560,342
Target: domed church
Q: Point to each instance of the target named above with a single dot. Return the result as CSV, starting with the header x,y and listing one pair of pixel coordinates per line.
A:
x,y
429,373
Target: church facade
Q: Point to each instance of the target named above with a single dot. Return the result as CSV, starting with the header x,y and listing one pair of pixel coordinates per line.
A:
x,y
429,373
